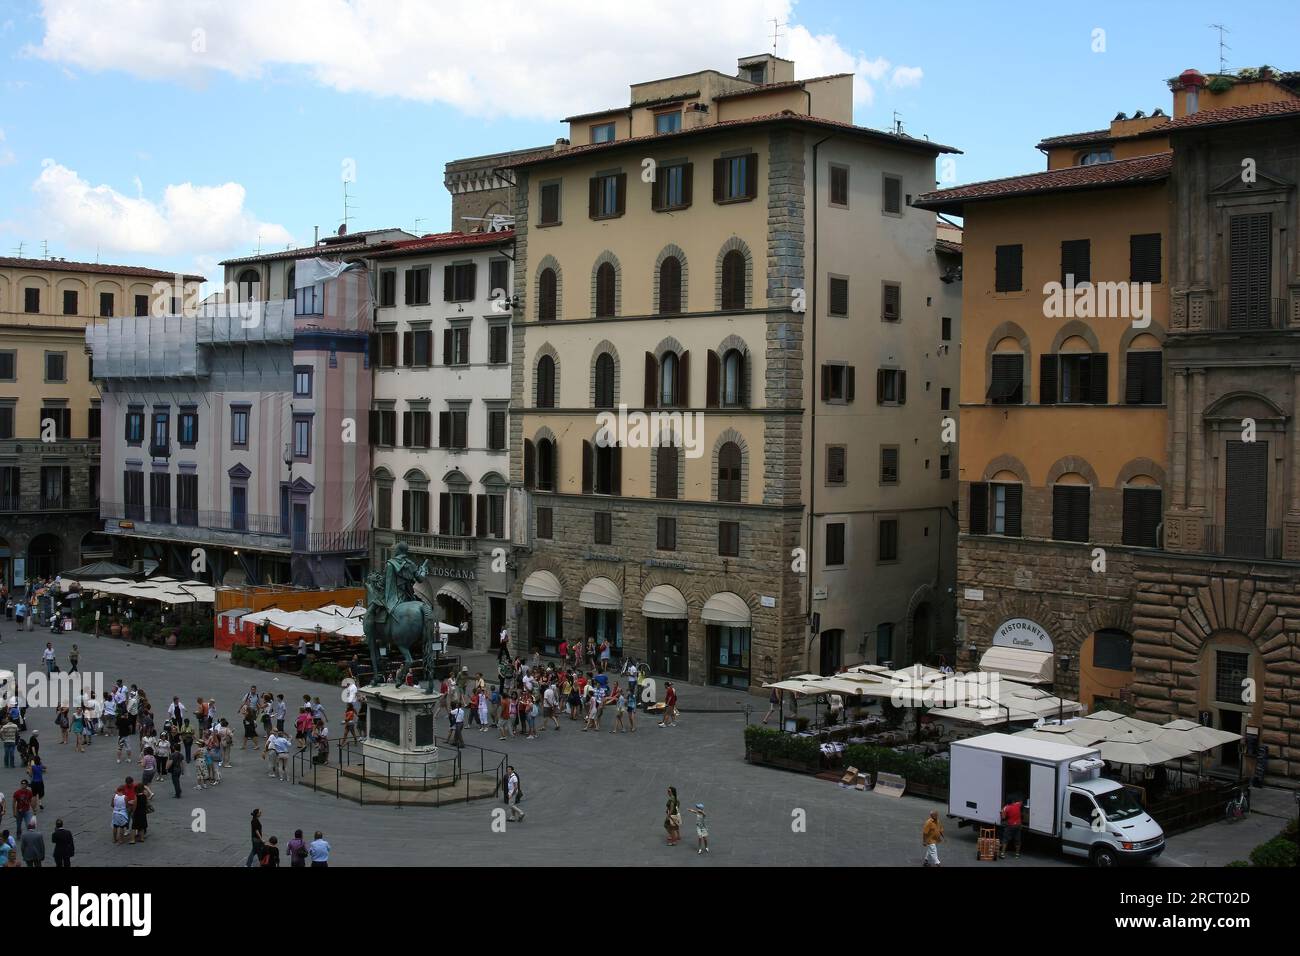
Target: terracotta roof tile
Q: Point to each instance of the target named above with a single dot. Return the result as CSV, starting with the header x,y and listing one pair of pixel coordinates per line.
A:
x,y
1222,116
1122,172
58,265
442,242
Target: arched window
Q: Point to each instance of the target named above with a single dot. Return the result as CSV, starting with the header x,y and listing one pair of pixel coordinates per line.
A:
x,y
605,290
604,381
729,472
289,277
546,382
546,465
733,280
666,471
668,369
247,288
546,296
733,378
670,286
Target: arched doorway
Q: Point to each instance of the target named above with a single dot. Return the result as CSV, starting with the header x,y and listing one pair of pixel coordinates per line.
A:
x,y
922,634
1230,695
667,641
456,607
44,556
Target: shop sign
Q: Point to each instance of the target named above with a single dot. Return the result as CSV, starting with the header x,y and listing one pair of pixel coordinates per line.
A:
x,y
1023,633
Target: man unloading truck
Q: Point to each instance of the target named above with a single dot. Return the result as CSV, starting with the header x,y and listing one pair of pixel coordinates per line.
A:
x,y
1012,817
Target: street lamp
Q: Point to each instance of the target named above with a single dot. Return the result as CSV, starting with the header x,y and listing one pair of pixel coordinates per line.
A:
x,y
1064,662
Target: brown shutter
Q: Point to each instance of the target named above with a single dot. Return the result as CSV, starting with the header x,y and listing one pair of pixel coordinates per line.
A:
x,y
1047,365
880,386
1014,499
408,348
444,429
688,175
459,424
406,511
444,514
620,202
684,380
448,284
848,383
616,470
593,196
586,467
530,463
826,383
902,388
651,380
408,433
446,346
712,381
1098,392
744,382
719,178
979,508
751,175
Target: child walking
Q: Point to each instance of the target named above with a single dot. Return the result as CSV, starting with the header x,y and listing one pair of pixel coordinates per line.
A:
x,y
701,829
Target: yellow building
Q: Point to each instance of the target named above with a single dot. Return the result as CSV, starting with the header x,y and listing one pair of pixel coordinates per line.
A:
x,y
49,405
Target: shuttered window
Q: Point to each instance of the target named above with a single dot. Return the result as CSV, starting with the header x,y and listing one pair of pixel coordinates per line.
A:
x,y
608,195
834,544
603,533
1007,384
666,469
672,187
887,540
546,296
1144,378
1074,379
891,301
735,178
835,464
387,287
1250,271
666,534
889,465
458,282
1246,499
1076,260
499,277
729,539
1009,269
417,286
995,508
891,203
550,204
604,381
605,290
1142,514
839,296
1070,506
729,472
545,382
670,286
1144,258
839,185
733,280
544,523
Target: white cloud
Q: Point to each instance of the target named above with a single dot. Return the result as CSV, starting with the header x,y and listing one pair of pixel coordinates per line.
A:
x,y
187,219
6,154
905,76
488,57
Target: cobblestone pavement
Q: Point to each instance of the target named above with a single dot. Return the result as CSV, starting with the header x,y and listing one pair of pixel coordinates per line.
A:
x,y
590,797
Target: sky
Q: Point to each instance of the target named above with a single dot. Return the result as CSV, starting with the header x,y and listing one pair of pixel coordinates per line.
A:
x,y
177,133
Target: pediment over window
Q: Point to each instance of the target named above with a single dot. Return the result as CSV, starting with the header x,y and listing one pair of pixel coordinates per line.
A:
x,y
1263,182
301,486
239,472
1236,406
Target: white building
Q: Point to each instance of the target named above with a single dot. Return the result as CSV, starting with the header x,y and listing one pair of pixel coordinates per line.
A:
x,y
441,460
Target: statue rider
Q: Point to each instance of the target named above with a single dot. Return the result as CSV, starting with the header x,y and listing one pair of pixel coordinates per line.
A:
x,y
400,576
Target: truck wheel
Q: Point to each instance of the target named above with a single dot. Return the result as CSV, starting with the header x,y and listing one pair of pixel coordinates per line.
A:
x,y
1104,856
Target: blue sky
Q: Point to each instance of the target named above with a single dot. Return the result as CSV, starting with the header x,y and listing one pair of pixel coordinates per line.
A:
x,y
173,134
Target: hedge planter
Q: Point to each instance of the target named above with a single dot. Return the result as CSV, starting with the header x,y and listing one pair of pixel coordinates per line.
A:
x,y
781,763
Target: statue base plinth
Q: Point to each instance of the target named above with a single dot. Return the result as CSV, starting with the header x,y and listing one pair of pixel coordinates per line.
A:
x,y
399,743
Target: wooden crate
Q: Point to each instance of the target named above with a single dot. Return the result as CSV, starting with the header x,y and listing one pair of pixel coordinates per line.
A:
x,y
987,845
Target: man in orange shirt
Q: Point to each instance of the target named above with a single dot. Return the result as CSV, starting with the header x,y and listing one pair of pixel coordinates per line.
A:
x,y
1012,817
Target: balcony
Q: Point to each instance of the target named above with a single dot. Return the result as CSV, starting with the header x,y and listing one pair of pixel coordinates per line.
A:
x,y
35,503
157,450
1263,545
333,542
1245,314
437,543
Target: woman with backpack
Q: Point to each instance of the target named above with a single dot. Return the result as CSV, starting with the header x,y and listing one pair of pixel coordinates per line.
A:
x,y
62,722
297,850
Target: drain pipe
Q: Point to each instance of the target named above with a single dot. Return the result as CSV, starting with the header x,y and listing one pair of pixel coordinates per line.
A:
x,y
810,292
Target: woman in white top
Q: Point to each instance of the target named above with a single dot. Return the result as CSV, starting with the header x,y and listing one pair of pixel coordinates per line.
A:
x,y
482,710
121,819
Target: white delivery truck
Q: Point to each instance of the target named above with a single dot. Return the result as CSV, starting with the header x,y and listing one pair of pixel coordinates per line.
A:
x,y
1065,797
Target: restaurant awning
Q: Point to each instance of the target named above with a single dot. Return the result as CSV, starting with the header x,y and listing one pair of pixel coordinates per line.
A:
x,y
664,602
601,594
542,586
458,592
726,609
1032,667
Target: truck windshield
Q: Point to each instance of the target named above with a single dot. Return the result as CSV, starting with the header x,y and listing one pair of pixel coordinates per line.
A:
x,y
1118,804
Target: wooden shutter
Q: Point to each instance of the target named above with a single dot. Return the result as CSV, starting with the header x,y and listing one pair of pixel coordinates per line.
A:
x,y
471,282
891,302
586,467
546,296
666,472
408,348
408,432
826,383
835,464
902,388
893,194
444,429
712,380
1098,389
620,200
688,177
444,514
1250,271
1070,512
1143,378
1047,366
1142,514
839,296
616,470
530,463
1245,515
651,380
670,286
719,179
1014,508
406,511
683,389
593,197
744,383
446,346
605,280
979,508
1144,258
880,386
1008,269
448,284
751,175
848,383
459,427
1076,260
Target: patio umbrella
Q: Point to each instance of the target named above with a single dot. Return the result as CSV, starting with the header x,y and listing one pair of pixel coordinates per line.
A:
x,y
1135,750
1195,737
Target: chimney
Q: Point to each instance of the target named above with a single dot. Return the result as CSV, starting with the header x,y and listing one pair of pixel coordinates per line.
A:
x,y
561,145
1191,81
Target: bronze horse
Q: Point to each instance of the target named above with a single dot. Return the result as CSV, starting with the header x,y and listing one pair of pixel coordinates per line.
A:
x,y
409,625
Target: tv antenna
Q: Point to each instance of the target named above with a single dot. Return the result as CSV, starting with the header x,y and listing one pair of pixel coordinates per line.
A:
x,y
18,250
348,206
45,248
1223,60
417,225
898,123
776,32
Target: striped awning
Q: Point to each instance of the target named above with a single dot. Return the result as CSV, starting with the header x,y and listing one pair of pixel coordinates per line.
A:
x,y
726,609
602,594
458,592
664,602
542,586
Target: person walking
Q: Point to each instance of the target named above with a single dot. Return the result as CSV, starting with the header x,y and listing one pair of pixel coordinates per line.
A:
x,y
64,722
297,850
32,845
319,850
458,726
270,853
670,706
64,848
36,770
176,768
673,818
620,708
22,806
931,837
140,813
514,793
79,722
9,737
773,702
74,656
701,829
47,657
256,825
121,815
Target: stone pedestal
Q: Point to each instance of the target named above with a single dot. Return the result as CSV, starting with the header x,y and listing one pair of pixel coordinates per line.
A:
x,y
399,734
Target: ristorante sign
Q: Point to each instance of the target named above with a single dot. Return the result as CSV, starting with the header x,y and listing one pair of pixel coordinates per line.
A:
x,y
1023,633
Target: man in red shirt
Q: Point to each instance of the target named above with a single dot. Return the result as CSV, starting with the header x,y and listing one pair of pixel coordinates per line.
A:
x,y
22,806
1012,817
670,706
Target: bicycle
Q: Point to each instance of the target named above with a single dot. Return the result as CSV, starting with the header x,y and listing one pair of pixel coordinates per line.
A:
x,y
1239,805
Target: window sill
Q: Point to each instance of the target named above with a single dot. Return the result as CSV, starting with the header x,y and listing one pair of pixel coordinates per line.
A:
x,y
613,215
548,225
733,201
671,208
